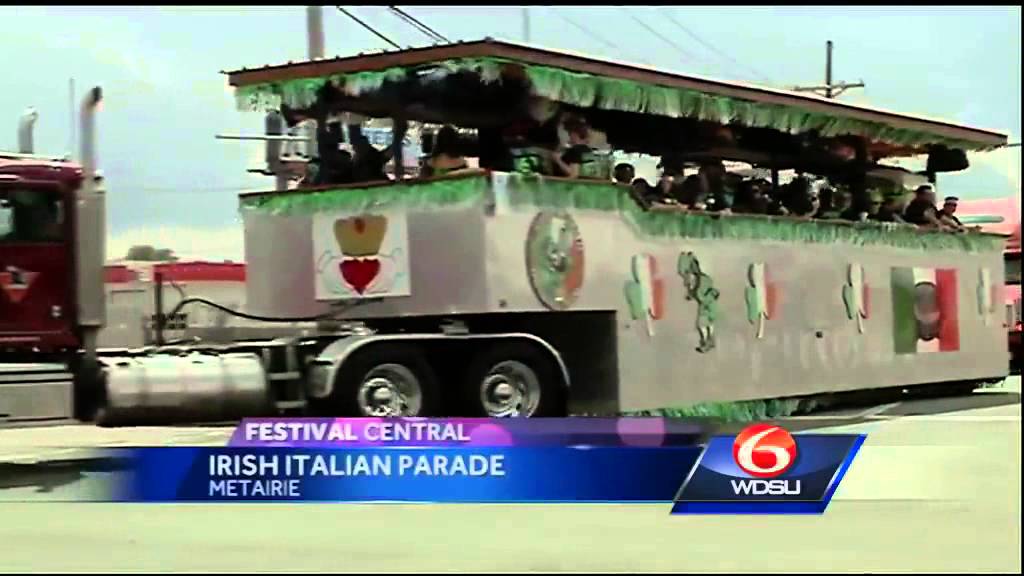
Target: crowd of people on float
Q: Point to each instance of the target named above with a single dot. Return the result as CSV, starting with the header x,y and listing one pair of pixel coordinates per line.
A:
x,y
713,189
538,148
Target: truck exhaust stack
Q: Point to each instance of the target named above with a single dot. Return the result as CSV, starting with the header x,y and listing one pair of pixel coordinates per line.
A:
x,y
91,230
88,143
26,142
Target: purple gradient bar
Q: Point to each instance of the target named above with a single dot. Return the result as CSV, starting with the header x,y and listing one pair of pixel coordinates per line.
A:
x,y
478,432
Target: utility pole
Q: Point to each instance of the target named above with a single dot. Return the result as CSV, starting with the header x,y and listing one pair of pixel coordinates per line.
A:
x,y
828,69
829,90
315,31
159,320
526,24
72,136
315,43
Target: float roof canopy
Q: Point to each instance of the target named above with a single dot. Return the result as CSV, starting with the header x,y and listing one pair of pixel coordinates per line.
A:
x,y
588,82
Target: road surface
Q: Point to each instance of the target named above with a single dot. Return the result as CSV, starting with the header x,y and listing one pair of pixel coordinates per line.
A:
x,y
936,488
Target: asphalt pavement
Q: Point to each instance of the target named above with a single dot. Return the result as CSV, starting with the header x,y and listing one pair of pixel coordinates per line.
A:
x,y
936,488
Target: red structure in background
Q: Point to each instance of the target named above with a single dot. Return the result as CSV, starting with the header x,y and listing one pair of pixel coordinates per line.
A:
x,y
178,272
119,274
202,271
985,213
1006,208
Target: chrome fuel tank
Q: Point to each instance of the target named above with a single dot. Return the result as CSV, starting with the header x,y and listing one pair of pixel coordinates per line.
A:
x,y
195,387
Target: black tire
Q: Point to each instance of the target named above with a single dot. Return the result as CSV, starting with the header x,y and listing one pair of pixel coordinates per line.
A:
x,y
89,395
344,398
552,389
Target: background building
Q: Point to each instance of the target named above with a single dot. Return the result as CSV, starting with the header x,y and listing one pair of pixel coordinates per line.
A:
x,y
131,299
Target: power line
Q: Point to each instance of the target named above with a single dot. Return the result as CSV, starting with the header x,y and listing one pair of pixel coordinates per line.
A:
x,y
185,189
711,47
430,32
401,15
368,27
659,35
592,35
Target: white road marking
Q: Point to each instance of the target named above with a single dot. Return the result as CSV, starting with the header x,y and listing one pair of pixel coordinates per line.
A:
x,y
869,413
877,411
948,418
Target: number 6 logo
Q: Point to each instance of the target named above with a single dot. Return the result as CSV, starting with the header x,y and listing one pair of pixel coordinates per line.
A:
x,y
764,450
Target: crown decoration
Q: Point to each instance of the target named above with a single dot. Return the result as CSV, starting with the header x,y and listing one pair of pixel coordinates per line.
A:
x,y
360,236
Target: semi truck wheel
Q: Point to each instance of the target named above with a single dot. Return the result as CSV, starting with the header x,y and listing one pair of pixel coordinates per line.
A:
x,y
386,380
513,380
89,389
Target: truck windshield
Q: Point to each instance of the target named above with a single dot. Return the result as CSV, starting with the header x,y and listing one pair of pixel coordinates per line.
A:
x,y
30,216
1013,268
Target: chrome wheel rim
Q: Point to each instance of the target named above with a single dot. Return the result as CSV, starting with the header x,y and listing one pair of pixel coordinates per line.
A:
x,y
390,390
510,389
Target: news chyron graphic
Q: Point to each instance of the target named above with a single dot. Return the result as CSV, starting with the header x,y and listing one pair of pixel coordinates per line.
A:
x,y
476,460
766,470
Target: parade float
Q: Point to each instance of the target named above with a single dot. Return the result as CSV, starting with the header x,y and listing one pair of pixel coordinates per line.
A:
x,y
501,292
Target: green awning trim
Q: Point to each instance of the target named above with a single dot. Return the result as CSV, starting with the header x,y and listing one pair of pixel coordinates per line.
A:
x,y
586,90
366,82
415,195
302,92
537,192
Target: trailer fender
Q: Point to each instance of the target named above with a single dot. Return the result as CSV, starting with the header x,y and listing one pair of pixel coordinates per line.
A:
x,y
323,370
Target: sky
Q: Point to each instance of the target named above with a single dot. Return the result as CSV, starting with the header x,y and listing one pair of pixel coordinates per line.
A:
x,y
172,184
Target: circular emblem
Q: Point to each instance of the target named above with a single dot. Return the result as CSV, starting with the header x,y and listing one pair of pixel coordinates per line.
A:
x,y
554,259
764,451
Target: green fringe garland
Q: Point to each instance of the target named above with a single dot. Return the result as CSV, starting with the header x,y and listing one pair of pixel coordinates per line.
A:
x,y
745,411
756,410
539,193
587,91
412,195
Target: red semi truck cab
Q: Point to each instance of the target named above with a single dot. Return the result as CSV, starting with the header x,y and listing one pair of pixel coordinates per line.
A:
x,y
38,311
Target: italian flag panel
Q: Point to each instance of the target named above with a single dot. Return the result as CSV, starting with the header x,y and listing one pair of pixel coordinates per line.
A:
x,y
924,305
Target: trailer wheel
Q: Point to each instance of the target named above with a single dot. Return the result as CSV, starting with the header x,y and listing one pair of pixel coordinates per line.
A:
x,y
514,380
386,380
